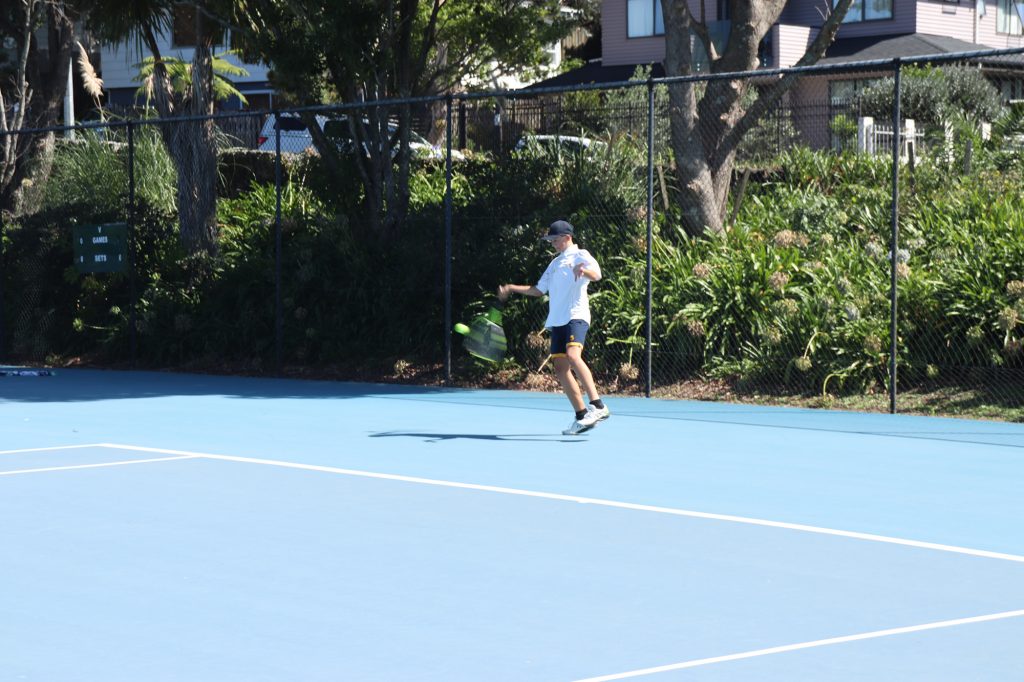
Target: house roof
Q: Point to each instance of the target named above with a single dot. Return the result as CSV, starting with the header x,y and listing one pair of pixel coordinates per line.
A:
x,y
594,72
845,50
842,51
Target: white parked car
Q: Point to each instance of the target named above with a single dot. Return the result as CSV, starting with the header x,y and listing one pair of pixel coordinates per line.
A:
x,y
559,143
296,138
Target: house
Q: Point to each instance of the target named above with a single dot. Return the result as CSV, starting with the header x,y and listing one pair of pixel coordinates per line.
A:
x,y
633,30
633,34
119,65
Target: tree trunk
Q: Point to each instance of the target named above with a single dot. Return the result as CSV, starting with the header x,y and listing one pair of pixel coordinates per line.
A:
x,y
191,145
707,131
197,170
38,98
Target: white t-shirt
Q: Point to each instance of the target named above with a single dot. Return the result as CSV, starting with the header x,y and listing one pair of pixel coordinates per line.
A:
x,y
567,295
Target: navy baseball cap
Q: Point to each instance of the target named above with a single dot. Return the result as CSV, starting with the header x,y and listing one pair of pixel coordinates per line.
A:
x,y
559,228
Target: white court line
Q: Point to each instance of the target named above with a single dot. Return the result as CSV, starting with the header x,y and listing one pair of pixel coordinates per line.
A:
x,y
590,500
56,447
806,645
15,472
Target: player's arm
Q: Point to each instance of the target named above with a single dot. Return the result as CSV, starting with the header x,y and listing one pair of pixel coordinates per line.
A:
x,y
506,290
587,267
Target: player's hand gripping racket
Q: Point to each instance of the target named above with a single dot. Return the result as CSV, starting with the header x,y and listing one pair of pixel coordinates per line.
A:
x,y
484,338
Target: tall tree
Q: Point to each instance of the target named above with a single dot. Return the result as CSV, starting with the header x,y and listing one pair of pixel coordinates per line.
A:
x,y
707,128
32,89
190,144
370,50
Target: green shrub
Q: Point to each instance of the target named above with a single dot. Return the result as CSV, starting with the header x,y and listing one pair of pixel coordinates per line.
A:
x,y
91,171
793,298
932,95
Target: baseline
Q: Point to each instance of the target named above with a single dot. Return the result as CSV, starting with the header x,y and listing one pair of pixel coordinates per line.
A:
x,y
806,645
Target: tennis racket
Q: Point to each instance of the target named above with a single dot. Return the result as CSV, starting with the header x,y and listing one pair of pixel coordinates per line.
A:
x,y
484,338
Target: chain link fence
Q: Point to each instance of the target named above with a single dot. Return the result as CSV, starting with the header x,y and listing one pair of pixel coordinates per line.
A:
x,y
849,249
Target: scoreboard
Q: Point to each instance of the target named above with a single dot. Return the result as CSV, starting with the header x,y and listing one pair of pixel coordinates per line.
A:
x,y
101,248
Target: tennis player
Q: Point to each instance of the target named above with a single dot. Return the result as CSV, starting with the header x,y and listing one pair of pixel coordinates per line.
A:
x,y
565,281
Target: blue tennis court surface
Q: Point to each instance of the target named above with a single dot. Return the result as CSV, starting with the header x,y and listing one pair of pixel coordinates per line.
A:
x,y
178,527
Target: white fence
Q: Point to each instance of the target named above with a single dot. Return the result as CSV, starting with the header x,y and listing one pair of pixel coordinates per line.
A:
x,y
877,138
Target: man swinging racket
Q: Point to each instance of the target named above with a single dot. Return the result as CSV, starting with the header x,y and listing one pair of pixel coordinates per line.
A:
x,y
565,281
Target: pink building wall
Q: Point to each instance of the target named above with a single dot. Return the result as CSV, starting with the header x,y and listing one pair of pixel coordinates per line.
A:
x,y
789,43
800,18
813,12
617,48
988,33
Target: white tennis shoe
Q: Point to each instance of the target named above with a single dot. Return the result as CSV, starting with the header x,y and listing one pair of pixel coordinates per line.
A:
x,y
588,421
577,427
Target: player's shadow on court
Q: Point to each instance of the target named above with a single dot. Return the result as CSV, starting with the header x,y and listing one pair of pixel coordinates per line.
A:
x,y
508,437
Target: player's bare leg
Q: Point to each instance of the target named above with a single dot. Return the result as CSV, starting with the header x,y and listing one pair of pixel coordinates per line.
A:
x,y
575,357
597,411
563,370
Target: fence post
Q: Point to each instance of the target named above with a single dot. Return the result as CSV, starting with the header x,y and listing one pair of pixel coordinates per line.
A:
x,y
648,351
131,241
462,124
865,135
497,128
448,241
894,238
3,311
910,139
278,310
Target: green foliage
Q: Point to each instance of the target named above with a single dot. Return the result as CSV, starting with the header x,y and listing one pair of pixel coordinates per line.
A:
x,y
92,170
357,47
56,311
766,140
427,187
582,113
625,103
179,72
794,298
89,171
844,132
923,96
932,95
971,94
1007,143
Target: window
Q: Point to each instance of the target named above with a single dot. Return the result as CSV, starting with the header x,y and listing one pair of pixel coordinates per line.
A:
x,y
643,18
183,31
1012,89
844,92
290,123
867,10
1008,17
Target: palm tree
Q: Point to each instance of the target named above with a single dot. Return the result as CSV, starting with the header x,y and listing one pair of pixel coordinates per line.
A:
x,y
190,144
180,74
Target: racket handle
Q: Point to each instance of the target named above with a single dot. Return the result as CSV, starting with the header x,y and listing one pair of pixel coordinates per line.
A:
x,y
494,314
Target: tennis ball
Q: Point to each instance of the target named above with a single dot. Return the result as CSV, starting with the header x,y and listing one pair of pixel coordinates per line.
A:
x,y
461,329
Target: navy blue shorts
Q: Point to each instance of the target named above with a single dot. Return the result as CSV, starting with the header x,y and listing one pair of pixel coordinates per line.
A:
x,y
572,334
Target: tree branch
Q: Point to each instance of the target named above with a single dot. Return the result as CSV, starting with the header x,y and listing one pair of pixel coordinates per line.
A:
x,y
770,97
